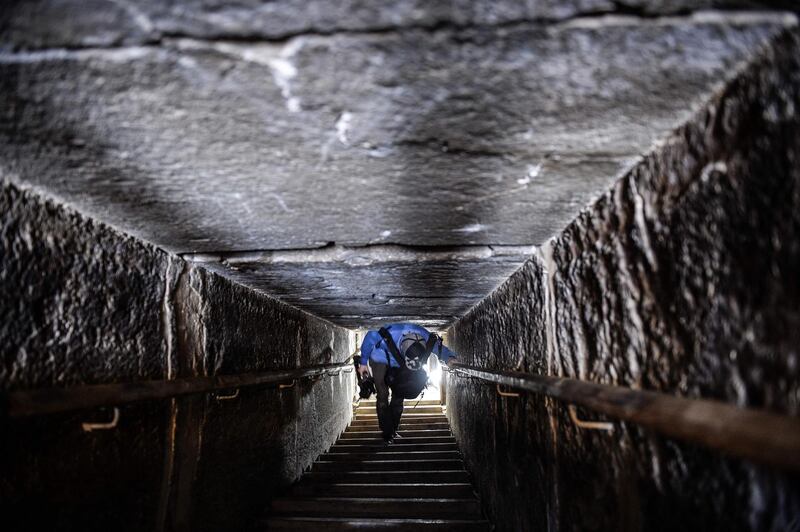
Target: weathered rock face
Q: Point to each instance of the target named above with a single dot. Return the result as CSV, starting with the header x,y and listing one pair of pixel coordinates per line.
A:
x,y
84,304
81,303
682,278
506,441
50,24
395,161
419,135
68,23
431,287
243,451
414,138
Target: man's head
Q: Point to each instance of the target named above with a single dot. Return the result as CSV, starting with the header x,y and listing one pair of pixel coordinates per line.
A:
x,y
415,350
412,346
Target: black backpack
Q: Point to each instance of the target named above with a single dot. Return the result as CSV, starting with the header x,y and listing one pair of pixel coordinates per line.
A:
x,y
410,378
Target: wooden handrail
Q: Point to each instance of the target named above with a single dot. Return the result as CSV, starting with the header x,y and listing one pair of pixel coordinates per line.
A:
x,y
756,435
24,403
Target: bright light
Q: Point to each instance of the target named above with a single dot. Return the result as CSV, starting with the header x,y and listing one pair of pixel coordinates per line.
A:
x,y
436,376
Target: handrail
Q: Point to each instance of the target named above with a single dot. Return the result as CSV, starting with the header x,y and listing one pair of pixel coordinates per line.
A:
x,y
756,435
36,402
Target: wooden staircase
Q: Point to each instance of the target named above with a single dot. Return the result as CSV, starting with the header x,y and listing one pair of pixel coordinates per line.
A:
x,y
417,483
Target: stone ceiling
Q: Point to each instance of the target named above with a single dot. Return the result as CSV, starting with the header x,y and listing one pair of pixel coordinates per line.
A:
x,y
368,165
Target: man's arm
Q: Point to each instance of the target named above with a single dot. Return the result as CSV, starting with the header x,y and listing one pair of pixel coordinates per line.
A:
x,y
371,339
444,354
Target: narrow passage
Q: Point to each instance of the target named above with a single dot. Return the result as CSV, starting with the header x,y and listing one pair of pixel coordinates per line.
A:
x,y
417,483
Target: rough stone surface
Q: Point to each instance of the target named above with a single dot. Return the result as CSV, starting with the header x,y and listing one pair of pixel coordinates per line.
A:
x,y
81,302
85,304
506,446
682,279
71,23
257,445
292,139
429,286
253,446
452,137
248,332
486,135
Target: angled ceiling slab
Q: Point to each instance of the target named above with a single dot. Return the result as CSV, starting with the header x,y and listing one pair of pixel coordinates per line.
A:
x,y
443,155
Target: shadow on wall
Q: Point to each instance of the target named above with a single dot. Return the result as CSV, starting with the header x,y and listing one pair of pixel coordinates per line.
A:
x,y
249,455
452,175
158,464
681,279
55,476
73,145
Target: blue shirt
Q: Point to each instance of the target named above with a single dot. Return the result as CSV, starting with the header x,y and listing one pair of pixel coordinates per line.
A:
x,y
374,346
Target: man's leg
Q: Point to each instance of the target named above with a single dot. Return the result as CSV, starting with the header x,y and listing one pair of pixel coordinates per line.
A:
x,y
396,407
382,401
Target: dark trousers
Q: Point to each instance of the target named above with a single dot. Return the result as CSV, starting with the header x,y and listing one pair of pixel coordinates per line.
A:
x,y
389,413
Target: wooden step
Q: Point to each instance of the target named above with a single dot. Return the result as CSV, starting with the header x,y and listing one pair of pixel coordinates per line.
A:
x,y
398,446
386,477
389,465
406,413
372,438
440,490
407,402
403,426
405,420
405,433
371,507
390,453
416,483
329,524
421,409
406,417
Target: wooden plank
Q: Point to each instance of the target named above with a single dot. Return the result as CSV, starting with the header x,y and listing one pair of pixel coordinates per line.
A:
x,y
756,435
25,403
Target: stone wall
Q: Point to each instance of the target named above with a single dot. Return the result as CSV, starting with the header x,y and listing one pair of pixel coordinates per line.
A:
x,y
682,279
267,136
84,304
48,23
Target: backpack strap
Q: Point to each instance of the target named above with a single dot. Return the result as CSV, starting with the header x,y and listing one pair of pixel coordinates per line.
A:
x,y
384,332
378,343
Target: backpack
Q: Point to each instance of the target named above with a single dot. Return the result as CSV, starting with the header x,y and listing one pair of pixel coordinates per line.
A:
x,y
410,379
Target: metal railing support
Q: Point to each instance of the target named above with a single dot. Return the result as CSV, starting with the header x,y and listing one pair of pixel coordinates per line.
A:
x,y
221,397
506,394
588,425
89,427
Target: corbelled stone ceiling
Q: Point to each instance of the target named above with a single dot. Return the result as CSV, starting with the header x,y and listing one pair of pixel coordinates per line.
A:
x,y
366,163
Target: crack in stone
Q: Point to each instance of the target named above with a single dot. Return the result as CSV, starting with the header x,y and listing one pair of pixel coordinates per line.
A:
x,y
442,145
139,17
622,14
118,54
362,255
277,58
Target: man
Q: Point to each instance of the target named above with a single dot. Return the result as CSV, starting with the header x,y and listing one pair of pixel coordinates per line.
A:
x,y
396,355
